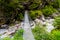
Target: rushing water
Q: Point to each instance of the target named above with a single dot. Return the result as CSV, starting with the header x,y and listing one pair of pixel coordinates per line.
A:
x,y
27,35
2,31
49,25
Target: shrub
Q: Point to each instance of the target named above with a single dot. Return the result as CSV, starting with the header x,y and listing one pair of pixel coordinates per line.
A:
x,y
48,10
20,16
34,14
1,39
56,33
54,3
41,34
35,4
57,22
6,38
18,35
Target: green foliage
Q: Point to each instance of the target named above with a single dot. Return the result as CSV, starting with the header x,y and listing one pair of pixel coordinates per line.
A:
x,y
41,34
57,22
53,3
7,38
48,10
1,39
12,8
18,35
56,33
35,4
20,16
34,14
59,3
36,1
23,1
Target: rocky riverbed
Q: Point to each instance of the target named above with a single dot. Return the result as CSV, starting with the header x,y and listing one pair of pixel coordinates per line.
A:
x,y
48,22
11,30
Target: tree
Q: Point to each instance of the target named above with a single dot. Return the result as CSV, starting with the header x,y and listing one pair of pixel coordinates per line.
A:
x,y
11,8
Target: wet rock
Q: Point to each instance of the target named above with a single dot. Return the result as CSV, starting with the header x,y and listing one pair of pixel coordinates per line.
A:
x,y
37,21
48,23
4,26
2,31
56,14
49,27
32,24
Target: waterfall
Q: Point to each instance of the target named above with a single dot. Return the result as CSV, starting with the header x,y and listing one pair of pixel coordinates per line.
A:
x,y
27,35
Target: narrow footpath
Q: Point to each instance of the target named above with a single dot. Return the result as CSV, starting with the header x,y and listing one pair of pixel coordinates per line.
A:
x,y
27,35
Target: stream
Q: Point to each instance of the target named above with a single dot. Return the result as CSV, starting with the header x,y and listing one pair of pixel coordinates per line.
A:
x,y
28,35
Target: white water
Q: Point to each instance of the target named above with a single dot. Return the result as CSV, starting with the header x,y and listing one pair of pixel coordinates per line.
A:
x,y
27,35
2,31
49,25
48,22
